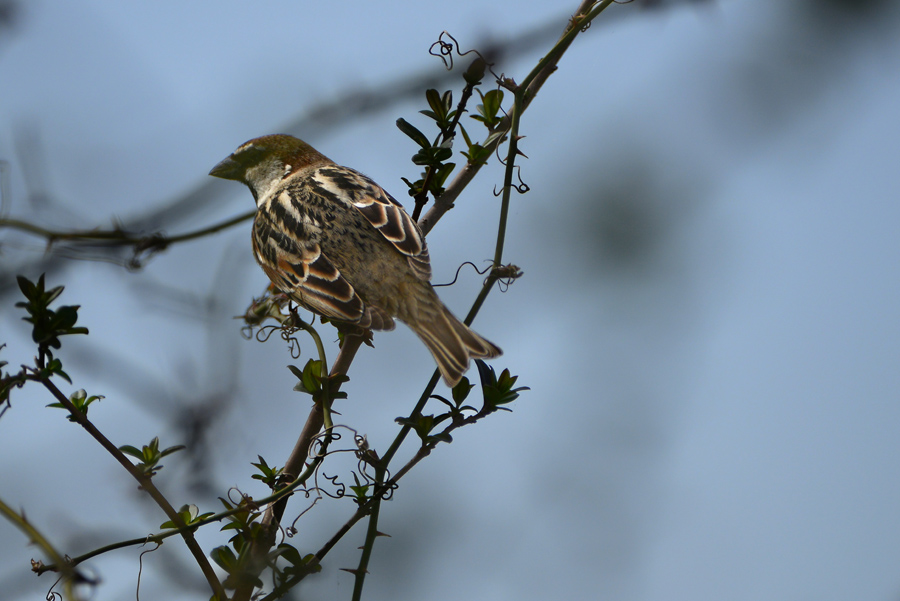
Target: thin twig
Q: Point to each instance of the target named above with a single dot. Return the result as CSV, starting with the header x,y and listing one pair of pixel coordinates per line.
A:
x,y
145,483
371,534
297,459
161,536
368,508
533,83
70,576
118,237
523,96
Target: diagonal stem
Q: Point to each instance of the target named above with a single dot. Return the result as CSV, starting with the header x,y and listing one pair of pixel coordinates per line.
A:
x,y
294,465
146,483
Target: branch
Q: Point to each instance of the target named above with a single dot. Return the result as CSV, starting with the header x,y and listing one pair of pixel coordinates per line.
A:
x,y
523,96
371,534
69,574
298,458
161,536
145,483
118,237
370,507
585,13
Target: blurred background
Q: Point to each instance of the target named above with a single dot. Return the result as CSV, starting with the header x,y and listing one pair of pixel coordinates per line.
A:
x,y
708,319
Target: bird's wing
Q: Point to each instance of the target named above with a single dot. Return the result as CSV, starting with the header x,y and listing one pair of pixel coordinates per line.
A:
x,y
381,210
300,269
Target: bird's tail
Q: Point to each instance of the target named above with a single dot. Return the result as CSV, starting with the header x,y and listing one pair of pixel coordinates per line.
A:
x,y
452,344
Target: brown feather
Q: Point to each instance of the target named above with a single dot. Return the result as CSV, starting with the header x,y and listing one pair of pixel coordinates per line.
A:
x,y
335,242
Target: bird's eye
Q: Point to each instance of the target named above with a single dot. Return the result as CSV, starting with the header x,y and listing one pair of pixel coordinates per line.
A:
x,y
250,154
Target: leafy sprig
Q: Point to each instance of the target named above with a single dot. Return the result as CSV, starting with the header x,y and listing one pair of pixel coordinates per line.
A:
x,y
149,455
48,324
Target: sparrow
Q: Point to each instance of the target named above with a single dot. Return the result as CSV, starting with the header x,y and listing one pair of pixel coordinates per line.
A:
x,y
336,243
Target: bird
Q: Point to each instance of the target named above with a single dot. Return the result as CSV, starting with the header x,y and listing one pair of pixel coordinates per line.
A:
x,y
338,244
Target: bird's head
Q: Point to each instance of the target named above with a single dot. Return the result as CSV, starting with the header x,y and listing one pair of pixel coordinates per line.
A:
x,y
262,163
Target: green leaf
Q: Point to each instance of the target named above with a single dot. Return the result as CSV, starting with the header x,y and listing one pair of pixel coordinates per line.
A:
x,y
48,325
171,450
439,437
465,135
360,490
314,383
440,176
79,399
66,317
268,475
417,136
133,451
300,565
432,156
54,367
189,514
461,391
29,290
224,558
443,400
477,155
51,294
434,100
497,391
488,110
288,553
149,455
424,425
495,135
441,108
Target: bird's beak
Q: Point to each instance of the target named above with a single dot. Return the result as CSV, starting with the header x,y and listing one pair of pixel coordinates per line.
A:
x,y
228,169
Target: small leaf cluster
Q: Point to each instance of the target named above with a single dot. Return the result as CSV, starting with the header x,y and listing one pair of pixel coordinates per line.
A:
x,y
236,564
489,113
299,566
496,392
489,109
80,400
312,382
360,490
268,475
189,514
434,155
423,425
149,455
48,324
235,559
